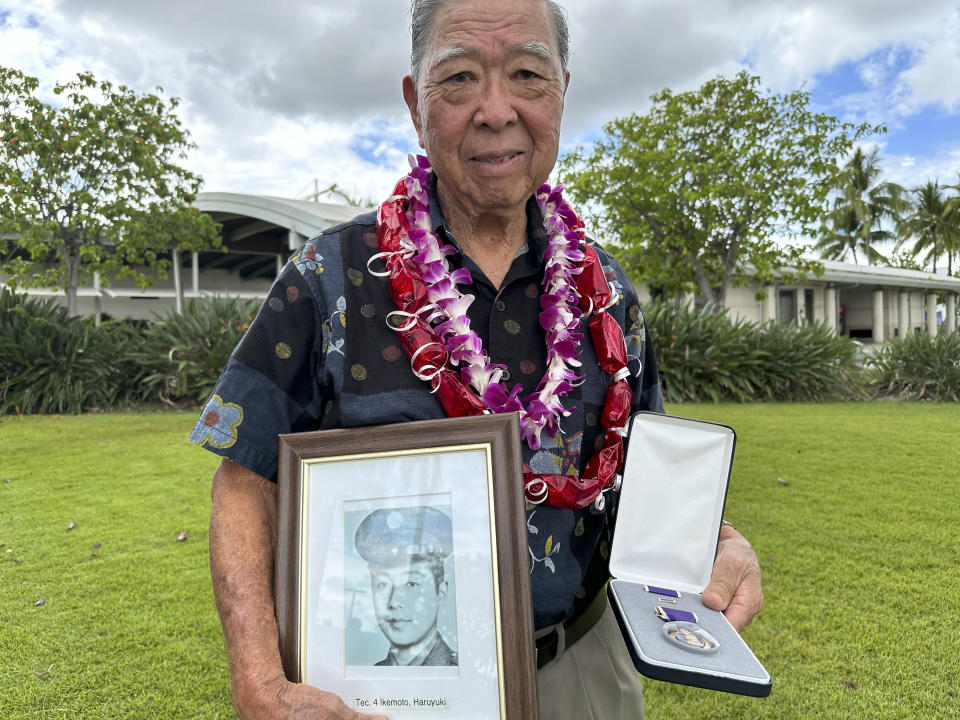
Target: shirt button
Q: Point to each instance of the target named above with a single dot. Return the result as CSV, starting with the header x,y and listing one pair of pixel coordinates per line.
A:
x,y
501,305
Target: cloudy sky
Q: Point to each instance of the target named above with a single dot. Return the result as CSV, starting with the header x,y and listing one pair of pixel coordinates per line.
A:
x,y
277,94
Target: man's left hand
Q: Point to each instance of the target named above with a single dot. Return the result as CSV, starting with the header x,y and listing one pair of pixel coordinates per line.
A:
x,y
734,587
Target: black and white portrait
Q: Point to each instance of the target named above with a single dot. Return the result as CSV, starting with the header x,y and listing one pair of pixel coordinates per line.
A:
x,y
400,605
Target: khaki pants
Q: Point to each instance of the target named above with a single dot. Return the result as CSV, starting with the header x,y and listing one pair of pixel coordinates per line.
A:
x,y
593,680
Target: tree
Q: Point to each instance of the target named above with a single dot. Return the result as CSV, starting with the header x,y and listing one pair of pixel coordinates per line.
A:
x,y
933,224
92,185
952,215
696,192
859,209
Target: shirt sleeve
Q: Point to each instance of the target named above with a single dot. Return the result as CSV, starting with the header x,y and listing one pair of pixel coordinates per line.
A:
x,y
271,383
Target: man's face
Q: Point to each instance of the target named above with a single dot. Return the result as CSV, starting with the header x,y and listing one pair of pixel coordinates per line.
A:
x,y
488,102
406,601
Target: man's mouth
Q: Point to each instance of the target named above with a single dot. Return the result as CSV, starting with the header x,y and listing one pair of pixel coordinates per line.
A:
x,y
496,159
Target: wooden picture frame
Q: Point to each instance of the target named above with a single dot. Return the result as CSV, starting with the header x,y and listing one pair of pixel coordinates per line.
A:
x,y
439,493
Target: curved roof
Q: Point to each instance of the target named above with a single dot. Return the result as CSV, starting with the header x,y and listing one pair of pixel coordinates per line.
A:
x,y
302,216
259,228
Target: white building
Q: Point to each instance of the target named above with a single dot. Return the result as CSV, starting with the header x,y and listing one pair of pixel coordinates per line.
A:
x,y
870,303
259,234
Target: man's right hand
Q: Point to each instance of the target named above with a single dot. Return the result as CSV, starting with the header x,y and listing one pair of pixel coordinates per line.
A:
x,y
284,700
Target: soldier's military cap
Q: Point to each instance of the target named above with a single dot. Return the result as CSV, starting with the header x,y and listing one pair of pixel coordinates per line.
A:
x,y
393,535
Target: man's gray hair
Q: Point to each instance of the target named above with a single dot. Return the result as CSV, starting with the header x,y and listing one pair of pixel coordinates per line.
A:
x,y
421,19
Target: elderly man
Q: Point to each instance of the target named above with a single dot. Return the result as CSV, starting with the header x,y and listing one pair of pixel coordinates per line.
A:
x,y
485,94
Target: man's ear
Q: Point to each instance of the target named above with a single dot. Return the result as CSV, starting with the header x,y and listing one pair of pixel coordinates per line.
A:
x,y
413,105
442,590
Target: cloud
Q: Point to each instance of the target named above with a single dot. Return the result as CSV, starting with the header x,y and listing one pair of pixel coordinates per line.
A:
x,y
934,79
911,171
278,93
333,60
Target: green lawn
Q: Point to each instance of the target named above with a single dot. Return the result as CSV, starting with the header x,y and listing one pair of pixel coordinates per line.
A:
x,y
859,552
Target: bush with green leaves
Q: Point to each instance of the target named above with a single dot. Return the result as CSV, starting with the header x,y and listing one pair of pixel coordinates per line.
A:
x,y
918,367
182,355
53,363
706,357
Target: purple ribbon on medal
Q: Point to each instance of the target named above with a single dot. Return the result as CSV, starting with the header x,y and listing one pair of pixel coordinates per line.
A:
x,y
666,592
673,615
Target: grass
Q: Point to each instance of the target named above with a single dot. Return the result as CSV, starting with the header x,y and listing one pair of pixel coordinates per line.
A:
x,y
128,628
859,553
859,556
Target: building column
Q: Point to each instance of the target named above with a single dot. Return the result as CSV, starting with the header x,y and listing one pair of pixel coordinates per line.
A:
x,y
878,316
932,314
280,263
891,311
768,310
830,308
195,272
97,300
950,321
177,281
294,240
903,313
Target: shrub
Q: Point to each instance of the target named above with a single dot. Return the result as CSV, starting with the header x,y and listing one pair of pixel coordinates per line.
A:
x,y
183,354
918,367
702,356
53,363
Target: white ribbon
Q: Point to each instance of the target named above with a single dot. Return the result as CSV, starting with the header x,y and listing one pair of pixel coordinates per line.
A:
x,y
413,316
422,374
614,299
587,313
385,273
536,498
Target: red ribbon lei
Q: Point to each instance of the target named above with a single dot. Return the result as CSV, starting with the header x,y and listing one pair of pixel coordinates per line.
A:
x,y
431,358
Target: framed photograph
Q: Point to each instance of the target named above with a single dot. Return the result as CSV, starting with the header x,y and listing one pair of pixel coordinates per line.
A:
x,y
402,579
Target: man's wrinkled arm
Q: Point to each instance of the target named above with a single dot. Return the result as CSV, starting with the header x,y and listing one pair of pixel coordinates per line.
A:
x,y
242,531
242,537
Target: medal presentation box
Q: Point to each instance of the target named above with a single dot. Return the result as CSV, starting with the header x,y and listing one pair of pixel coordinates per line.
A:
x,y
671,505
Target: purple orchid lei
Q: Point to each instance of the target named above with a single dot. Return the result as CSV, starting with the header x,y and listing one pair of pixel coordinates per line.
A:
x,y
560,316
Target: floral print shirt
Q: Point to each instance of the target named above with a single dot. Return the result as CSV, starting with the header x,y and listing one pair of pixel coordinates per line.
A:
x,y
321,355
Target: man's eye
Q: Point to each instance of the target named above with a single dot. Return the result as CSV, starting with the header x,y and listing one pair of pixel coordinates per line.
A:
x,y
527,75
459,78
380,585
413,584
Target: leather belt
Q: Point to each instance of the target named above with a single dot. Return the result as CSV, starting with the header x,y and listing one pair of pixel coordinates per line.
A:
x,y
572,630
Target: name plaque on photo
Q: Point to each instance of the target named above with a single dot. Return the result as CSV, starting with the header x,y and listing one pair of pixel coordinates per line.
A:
x,y
402,582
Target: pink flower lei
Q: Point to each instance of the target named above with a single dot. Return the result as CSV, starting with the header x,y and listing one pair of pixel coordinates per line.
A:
x,y
435,331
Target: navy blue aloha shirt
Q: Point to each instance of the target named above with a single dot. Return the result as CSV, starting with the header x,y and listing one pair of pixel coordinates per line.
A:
x,y
320,355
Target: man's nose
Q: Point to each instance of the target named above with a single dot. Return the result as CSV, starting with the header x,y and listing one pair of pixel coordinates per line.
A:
x,y
396,598
496,110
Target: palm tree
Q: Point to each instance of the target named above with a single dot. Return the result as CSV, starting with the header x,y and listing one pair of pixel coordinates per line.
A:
x,y
855,223
952,216
932,223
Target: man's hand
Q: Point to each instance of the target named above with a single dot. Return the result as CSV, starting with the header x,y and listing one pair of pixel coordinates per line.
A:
x,y
284,700
734,585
